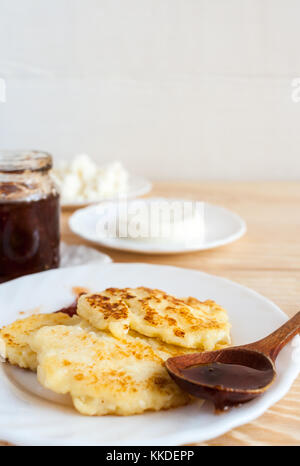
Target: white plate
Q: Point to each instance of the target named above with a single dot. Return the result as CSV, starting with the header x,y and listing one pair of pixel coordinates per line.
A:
x,y
137,186
27,418
221,227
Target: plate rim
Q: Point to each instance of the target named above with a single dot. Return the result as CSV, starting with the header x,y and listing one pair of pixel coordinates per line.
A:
x,y
191,435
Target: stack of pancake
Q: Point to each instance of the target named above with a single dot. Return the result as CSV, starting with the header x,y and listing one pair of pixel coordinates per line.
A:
x,y
110,356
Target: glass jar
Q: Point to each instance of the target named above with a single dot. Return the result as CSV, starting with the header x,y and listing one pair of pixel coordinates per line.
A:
x,y
29,214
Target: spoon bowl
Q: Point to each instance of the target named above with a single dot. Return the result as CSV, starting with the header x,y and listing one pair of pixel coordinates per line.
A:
x,y
222,396
233,375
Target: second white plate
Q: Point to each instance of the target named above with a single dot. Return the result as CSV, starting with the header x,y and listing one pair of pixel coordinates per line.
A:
x,y
221,227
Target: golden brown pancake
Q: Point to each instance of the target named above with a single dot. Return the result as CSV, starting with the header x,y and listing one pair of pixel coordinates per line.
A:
x,y
104,375
184,322
14,338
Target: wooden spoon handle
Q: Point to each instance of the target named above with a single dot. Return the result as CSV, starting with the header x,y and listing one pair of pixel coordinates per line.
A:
x,y
273,343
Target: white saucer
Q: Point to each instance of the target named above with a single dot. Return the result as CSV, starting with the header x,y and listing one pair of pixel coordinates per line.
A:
x,y
31,415
221,227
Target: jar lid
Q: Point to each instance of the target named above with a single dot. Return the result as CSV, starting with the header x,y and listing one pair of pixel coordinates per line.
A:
x,y
21,161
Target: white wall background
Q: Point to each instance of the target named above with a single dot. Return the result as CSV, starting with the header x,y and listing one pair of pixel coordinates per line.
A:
x,y
174,88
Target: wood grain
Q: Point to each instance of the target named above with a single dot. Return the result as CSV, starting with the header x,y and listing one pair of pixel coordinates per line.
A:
x,y
267,259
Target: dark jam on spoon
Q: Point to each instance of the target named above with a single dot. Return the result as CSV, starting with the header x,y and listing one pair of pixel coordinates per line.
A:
x,y
217,375
235,376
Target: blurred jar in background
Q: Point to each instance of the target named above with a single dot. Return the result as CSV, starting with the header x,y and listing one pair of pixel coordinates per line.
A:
x,y
29,214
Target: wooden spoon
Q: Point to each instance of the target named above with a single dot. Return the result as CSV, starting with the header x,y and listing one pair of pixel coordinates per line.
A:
x,y
232,375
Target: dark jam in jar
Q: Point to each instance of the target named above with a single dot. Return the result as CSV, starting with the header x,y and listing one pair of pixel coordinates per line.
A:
x,y
29,216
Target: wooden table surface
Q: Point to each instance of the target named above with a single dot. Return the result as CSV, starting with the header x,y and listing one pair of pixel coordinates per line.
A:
x,y
267,259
